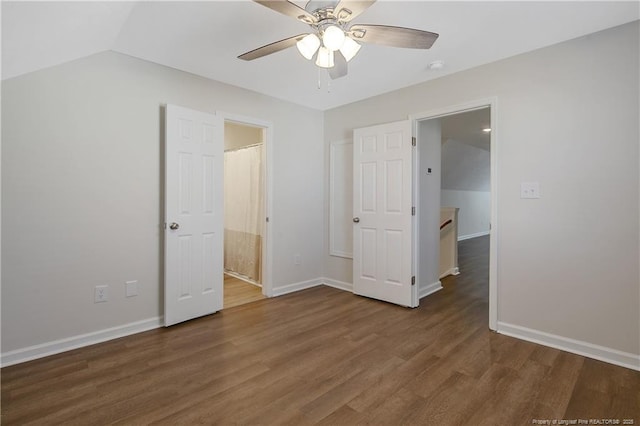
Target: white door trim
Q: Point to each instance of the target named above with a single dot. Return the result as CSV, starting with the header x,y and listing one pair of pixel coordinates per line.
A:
x,y
491,102
267,240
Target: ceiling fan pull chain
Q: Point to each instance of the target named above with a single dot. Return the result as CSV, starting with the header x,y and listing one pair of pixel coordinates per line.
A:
x,y
328,82
319,76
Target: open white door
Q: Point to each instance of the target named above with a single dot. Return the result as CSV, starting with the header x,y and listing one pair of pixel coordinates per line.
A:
x,y
193,275
382,208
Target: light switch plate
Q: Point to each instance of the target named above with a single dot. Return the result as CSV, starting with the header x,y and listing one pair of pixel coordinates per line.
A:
x,y
131,288
529,190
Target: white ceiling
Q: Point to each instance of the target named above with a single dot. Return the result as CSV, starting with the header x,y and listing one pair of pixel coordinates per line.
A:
x,y
467,128
205,38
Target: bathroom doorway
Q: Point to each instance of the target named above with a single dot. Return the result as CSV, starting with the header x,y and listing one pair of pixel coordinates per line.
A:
x,y
244,215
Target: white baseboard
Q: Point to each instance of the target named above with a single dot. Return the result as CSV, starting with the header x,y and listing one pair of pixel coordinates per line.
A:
x,y
62,345
452,271
290,288
427,289
601,353
340,285
469,236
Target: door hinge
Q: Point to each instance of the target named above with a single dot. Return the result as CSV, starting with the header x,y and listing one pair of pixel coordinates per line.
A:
x,y
413,280
267,219
413,211
413,141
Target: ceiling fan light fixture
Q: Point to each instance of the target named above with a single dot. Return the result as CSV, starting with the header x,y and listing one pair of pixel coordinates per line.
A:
x,y
308,45
325,58
349,48
332,31
343,14
306,19
333,38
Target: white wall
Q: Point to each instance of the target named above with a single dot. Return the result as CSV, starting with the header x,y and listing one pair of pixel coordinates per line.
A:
x,y
465,167
474,215
341,199
82,191
567,117
429,147
466,179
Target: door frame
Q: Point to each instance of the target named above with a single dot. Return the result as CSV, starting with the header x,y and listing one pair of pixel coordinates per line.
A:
x,y
267,188
492,103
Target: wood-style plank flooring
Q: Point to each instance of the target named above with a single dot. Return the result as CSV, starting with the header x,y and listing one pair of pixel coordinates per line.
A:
x,y
238,292
324,356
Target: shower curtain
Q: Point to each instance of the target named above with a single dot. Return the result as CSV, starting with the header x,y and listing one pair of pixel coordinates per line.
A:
x,y
243,216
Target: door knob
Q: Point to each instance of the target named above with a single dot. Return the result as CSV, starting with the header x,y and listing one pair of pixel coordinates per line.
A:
x,y
174,226
356,219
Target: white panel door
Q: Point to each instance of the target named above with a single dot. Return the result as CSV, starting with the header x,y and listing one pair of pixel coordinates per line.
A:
x,y
382,223
194,158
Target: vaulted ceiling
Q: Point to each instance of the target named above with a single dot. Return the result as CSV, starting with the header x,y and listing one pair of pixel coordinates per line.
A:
x,y
205,38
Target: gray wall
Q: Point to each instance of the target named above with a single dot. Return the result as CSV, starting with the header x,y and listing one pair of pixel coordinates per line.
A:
x,y
474,215
81,186
82,191
465,167
567,116
429,147
466,183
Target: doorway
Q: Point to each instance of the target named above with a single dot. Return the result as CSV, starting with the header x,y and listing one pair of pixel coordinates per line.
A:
x,y
244,212
194,212
462,139
466,171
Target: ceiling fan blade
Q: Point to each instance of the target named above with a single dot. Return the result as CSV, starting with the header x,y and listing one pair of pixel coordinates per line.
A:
x,y
271,48
393,36
346,10
289,9
339,68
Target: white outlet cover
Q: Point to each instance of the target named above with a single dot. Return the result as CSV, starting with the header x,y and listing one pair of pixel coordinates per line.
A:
x,y
131,288
101,294
529,190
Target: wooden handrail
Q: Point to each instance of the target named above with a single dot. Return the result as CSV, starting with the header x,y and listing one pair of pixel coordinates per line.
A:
x,y
446,223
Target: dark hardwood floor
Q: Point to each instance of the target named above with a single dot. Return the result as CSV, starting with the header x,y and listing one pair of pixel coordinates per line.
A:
x,y
325,356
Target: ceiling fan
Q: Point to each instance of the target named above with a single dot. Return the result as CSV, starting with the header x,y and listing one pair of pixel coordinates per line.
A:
x,y
334,40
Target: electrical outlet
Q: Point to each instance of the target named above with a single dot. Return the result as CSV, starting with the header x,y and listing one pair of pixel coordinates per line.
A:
x,y
101,294
529,190
131,288
296,259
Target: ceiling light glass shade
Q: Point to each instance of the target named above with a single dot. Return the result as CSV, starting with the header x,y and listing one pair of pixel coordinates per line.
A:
x,y
308,45
349,48
325,58
333,38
